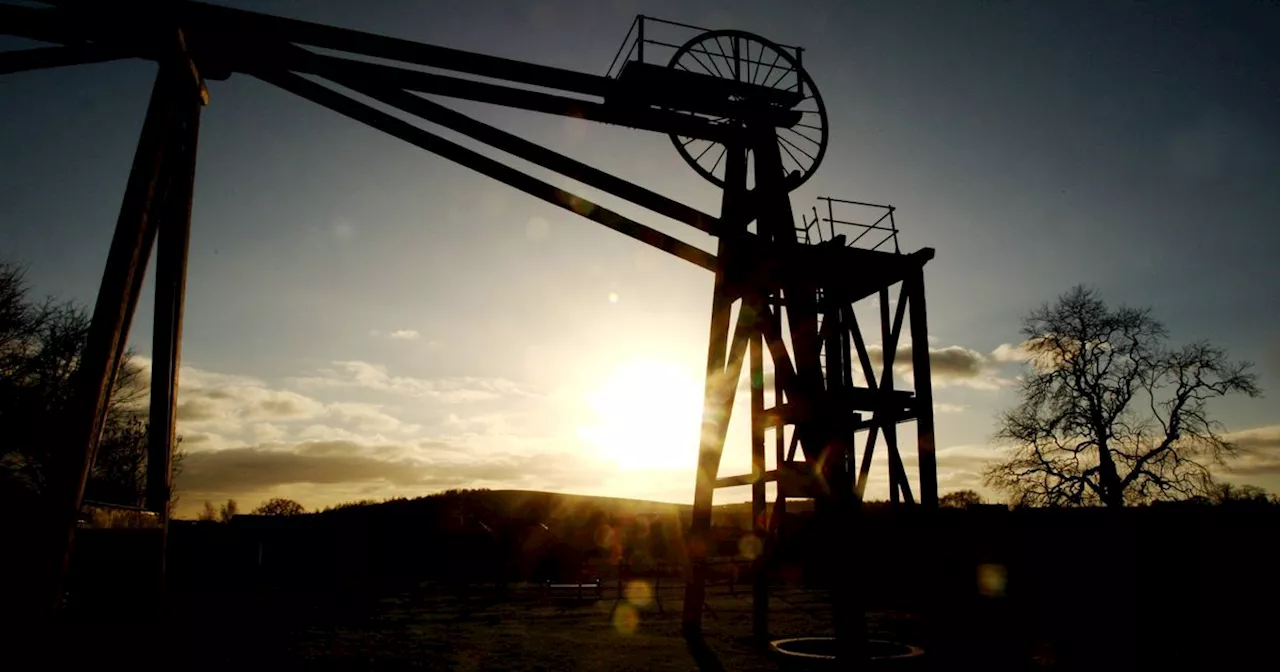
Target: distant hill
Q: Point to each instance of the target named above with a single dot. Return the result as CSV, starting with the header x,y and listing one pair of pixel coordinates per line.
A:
x,y
533,506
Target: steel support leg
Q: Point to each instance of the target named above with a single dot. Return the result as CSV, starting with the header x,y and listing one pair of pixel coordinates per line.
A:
x,y
109,329
166,345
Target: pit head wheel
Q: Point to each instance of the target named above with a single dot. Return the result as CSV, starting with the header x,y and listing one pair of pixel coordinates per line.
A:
x,y
741,56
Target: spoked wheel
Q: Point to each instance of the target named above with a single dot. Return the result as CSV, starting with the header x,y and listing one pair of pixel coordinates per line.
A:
x,y
741,56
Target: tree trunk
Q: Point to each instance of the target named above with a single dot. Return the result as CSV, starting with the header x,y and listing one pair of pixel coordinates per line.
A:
x,y
1112,488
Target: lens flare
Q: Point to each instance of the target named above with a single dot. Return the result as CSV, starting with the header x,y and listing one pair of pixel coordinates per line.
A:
x,y
992,580
626,619
638,593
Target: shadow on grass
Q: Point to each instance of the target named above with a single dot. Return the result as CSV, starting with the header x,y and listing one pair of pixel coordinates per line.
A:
x,y
703,656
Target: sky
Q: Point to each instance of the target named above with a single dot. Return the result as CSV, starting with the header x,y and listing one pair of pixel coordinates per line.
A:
x,y
367,320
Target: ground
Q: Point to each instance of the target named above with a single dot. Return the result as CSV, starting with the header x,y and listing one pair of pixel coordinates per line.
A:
x,y
437,630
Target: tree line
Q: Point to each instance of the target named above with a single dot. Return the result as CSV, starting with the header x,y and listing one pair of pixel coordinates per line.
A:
x,y
276,506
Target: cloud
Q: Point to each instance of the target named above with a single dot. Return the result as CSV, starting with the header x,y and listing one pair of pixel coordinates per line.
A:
x,y
209,400
368,417
233,405
265,432
1012,354
404,335
403,467
212,406
343,229
1258,438
950,365
939,407
1259,451
460,389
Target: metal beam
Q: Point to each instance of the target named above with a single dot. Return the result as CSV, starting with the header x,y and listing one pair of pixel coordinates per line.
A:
x,y
759,584
342,39
745,479
45,25
534,153
631,116
482,164
54,57
174,232
864,470
170,289
715,412
112,314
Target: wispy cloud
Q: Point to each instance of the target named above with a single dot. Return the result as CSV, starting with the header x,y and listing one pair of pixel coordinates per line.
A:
x,y
404,335
1259,451
952,365
369,417
343,229
1011,353
457,389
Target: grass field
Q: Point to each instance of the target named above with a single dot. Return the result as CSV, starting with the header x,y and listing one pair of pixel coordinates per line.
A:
x,y
440,631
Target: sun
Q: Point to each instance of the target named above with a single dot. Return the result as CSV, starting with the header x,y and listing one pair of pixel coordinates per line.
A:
x,y
646,415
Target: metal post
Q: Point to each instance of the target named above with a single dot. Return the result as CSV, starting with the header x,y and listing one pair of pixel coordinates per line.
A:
x,y
712,443
170,289
888,341
799,70
760,585
109,329
831,219
924,391
640,39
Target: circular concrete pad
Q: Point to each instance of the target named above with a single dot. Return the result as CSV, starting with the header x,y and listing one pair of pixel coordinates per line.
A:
x,y
820,653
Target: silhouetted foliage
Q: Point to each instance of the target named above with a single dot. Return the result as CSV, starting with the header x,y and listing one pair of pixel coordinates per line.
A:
x,y
228,511
960,499
1109,414
209,513
1227,494
40,348
278,506
352,505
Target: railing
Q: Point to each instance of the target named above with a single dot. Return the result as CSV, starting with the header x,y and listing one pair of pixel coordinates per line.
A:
x,y
664,38
856,217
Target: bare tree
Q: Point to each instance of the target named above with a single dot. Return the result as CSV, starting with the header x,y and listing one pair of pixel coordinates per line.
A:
x,y
279,506
1109,414
228,511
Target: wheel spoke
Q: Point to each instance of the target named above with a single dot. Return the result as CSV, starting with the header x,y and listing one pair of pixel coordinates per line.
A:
x,y
796,147
744,57
767,75
729,64
699,157
802,135
699,62
723,151
784,71
793,157
711,58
